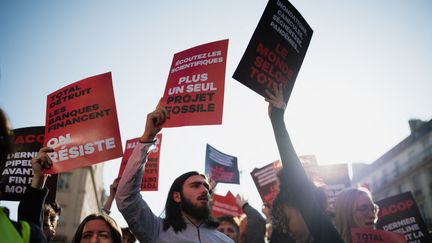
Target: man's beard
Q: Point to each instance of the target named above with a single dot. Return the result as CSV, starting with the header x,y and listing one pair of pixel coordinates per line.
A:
x,y
199,213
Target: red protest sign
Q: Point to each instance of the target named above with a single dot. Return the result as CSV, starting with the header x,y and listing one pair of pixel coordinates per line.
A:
x,y
266,181
194,91
366,235
81,124
150,180
225,205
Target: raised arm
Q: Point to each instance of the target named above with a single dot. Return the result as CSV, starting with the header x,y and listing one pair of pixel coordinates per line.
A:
x,y
108,202
256,225
143,223
294,182
290,161
31,205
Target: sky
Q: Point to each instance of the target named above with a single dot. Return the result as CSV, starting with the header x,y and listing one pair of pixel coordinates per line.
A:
x,y
366,73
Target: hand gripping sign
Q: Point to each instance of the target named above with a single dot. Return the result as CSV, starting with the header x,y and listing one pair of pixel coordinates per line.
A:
x,y
194,91
81,124
17,174
150,179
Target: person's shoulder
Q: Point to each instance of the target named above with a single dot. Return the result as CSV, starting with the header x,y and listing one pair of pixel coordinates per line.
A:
x,y
36,233
221,237
214,235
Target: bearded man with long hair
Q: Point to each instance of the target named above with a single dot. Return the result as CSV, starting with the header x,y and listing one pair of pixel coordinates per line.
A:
x,y
187,214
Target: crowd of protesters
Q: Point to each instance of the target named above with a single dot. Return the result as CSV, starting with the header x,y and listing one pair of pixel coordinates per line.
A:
x,y
297,214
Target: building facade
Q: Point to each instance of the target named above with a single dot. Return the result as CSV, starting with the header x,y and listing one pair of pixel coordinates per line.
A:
x,y
79,193
405,167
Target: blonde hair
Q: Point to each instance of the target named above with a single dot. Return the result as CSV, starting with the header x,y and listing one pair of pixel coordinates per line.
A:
x,y
345,207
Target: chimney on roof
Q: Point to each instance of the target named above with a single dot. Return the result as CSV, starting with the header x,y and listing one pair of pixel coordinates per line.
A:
x,y
415,123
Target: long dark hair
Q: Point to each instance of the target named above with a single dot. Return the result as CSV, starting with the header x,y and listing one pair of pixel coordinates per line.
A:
x,y
5,138
115,231
287,197
173,214
5,146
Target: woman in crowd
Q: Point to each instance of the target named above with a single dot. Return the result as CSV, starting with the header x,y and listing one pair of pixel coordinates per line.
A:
x,y
354,208
229,226
297,212
98,226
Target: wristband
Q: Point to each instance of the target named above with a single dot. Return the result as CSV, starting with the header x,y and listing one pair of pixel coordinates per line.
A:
x,y
107,211
244,205
148,142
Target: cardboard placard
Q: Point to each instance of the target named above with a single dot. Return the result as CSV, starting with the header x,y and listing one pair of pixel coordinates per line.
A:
x,y
221,167
82,125
365,235
400,213
225,205
194,92
150,180
276,50
266,181
332,178
18,172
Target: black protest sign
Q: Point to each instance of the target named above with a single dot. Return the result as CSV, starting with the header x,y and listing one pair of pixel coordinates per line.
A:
x,y
18,172
221,167
400,214
276,50
266,181
333,178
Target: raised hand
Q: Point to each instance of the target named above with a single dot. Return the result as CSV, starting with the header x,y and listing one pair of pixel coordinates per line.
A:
x,y
154,123
39,163
275,98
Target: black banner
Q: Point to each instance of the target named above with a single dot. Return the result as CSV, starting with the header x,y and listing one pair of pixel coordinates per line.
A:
x,y
400,214
276,50
221,167
18,172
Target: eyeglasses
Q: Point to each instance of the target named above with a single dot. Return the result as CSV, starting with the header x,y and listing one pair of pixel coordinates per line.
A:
x,y
364,209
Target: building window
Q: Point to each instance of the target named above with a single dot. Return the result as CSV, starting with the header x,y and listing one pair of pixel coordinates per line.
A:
x,y
411,159
63,183
430,188
425,142
61,219
396,169
374,184
384,177
400,188
418,193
